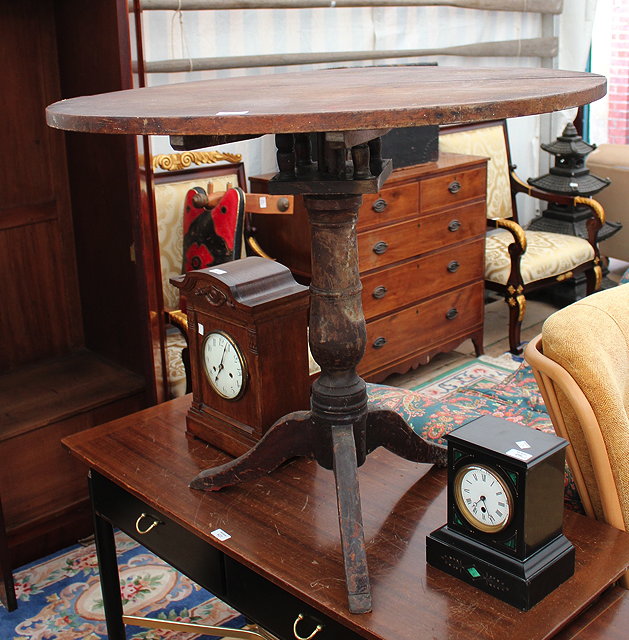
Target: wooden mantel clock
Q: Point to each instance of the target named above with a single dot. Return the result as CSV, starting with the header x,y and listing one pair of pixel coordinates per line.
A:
x,y
505,512
247,334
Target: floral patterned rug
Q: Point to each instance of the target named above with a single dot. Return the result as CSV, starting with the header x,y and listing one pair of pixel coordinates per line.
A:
x,y
59,597
504,387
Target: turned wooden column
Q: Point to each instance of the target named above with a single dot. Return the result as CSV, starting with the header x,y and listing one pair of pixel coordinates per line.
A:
x,y
337,323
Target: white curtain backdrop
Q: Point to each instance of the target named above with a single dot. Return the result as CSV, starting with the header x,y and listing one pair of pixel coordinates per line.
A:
x,y
209,34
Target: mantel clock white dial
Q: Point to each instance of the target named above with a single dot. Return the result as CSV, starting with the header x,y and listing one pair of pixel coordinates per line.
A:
x,y
242,382
483,498
224,365
505,512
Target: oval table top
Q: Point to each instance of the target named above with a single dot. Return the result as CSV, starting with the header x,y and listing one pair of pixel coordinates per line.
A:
x,y
346,99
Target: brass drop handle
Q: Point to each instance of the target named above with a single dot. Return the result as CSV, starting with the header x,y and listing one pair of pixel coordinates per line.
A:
x,y
379,292
153,524
451,314
379,342
299,618
379,205
380,247
454,225
454,186
453,266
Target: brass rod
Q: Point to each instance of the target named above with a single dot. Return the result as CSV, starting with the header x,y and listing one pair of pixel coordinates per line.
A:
x,y
224,632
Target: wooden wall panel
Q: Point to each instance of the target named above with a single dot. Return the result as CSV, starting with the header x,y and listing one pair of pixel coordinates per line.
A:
x,y
35,322
36,239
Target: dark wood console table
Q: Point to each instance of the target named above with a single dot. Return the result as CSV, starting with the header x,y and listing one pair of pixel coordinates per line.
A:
x,y
283,558
349,110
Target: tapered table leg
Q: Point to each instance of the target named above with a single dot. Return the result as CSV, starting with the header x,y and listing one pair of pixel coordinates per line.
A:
x,y
109,577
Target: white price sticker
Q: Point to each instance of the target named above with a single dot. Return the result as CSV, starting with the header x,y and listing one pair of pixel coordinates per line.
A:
x,y
221,535
523,444
520,455
262,202
219,272
201,329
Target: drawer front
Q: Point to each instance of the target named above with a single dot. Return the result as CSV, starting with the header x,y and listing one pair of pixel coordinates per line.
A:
x,y
177,546
452,189
416,328
388,205
275,609
381,247
403,284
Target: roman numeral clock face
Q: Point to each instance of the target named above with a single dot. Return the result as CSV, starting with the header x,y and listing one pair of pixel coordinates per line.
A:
x,y
224,365
483,498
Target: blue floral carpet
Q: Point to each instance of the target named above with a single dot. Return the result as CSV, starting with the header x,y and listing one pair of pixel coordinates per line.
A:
x,y
59,597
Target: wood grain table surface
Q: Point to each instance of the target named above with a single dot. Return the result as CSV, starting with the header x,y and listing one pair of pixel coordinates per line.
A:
x,y
329,100
285,528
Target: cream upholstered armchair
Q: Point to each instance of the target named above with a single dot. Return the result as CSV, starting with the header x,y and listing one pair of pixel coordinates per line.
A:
x,y
581,363
193,201
518,261
170,191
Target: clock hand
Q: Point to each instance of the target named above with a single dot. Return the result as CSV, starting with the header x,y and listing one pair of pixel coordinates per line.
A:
x,y
483,500
220,364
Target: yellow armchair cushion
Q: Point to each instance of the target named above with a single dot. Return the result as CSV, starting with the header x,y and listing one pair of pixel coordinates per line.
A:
x,y
547,255
590,339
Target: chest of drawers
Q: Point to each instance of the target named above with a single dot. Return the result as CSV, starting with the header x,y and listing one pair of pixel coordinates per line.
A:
x,y
421,243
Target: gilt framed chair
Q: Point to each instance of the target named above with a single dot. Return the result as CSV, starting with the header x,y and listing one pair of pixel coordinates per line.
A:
x,y
518,261
173,196
581,364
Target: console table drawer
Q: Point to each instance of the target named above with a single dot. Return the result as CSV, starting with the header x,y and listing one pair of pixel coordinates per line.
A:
x,y
170,541
395,242
388,205
275,609
452,189
400,285
429,322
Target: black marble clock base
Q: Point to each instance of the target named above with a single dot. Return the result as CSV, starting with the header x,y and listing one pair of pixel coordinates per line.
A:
x,y
520,583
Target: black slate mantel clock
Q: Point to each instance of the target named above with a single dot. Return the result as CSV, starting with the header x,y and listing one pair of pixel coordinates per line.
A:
x,y
505,512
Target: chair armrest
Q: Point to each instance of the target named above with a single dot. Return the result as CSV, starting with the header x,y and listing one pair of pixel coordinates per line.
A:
x,y
179,319
519,186
598,218
518,233
598,213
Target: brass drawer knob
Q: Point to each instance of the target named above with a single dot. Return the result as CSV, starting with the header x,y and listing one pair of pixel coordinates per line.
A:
x,y
299,618
380,247
379,292
379,205
152,525
451,314
379,342
453,266
454,186
454,225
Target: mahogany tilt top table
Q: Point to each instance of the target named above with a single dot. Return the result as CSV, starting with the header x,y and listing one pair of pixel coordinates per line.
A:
x,y
349,110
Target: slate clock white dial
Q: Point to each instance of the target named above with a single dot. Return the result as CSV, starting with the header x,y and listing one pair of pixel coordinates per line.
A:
x,y
483,498
224,364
